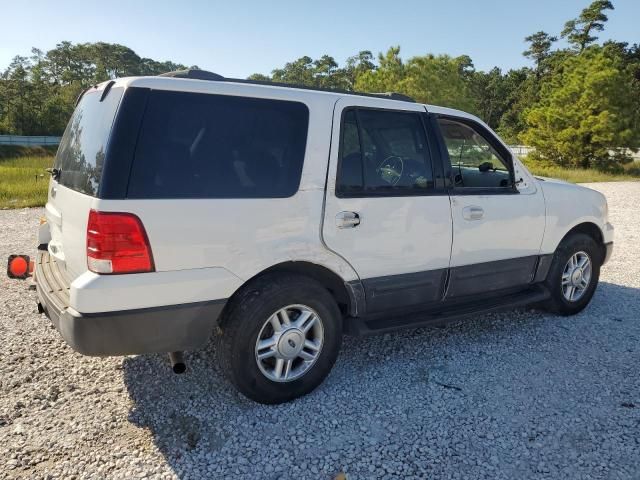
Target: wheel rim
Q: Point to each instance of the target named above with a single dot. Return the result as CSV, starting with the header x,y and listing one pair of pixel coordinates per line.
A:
x,y
576,276
289,343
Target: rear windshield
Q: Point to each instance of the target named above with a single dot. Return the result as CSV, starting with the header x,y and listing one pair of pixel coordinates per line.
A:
x,y
195,145
82,150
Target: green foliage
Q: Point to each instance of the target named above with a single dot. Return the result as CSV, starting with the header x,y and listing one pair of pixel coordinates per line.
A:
x,y
539,48
578,32
436,79
584,117
494,94
37,94
321,73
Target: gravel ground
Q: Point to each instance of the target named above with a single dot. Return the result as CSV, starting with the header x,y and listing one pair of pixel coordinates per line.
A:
x,y
514,395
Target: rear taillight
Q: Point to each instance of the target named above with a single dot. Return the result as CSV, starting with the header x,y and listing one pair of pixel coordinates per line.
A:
x,y
117,243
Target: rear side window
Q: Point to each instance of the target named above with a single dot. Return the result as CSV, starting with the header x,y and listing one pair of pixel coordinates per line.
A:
x,y
383,152
83,147
195,145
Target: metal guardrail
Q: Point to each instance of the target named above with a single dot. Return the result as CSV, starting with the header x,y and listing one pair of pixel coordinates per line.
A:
x,y
521,150
524,150
29,141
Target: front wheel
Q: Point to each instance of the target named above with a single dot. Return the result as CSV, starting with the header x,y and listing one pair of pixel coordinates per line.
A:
x,y
574,273
280,337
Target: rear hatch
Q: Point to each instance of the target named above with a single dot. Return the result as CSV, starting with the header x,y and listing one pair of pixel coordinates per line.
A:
x,y
76,179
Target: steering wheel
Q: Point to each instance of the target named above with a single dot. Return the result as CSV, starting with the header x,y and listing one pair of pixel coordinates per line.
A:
x,y
390,169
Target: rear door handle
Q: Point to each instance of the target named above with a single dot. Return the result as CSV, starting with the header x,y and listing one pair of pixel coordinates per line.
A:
x,y
347,220
472,212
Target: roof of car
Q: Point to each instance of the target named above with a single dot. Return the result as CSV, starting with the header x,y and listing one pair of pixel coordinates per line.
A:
x,y
202,81
196,74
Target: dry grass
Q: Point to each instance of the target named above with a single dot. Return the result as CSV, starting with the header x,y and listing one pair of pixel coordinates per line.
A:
x,y
24,181
579,175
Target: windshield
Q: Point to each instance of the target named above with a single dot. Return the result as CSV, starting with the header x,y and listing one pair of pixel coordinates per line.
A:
x,y
82,150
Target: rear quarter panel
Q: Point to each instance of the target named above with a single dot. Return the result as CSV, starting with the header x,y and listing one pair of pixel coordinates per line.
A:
x,y
247,236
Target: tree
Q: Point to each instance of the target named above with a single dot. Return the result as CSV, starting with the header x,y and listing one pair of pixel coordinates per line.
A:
x,y
441,80
322,73
17,92
584,117
578,32
38,93
437,79
491,95
539,48
386,77
259,77
358,65
520,92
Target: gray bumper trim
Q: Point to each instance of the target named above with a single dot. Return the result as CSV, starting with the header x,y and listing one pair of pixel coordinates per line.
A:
x,y
148,330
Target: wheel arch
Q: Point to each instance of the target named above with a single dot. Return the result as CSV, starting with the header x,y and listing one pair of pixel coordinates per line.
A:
x,y
590,229
346,294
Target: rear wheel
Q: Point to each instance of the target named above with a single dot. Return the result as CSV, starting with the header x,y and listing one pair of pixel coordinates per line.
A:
x,y
280,337
574,273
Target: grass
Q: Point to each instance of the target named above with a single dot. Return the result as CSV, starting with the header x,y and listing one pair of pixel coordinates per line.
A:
x,y
23,181
631,172
579,175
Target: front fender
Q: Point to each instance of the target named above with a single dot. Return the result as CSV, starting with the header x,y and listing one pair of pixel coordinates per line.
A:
x,y
567,206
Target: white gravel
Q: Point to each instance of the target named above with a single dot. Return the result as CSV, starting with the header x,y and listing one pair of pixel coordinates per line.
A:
x,y
514,395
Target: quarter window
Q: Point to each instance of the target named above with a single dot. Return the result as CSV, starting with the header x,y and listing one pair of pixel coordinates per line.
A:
x,y
383,152
475,162
194,145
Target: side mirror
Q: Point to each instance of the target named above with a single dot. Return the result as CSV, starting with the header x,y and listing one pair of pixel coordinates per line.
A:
x,y
485,167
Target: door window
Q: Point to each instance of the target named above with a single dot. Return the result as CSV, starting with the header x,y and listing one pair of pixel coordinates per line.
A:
x,y
475,162
383,152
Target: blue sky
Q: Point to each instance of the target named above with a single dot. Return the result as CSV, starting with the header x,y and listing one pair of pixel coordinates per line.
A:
x,y
238,38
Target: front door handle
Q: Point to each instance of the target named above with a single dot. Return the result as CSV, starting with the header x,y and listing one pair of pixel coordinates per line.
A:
x,y
472,212
347,220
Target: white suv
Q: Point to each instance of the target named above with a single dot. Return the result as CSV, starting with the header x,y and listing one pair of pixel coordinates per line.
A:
x,y
288,216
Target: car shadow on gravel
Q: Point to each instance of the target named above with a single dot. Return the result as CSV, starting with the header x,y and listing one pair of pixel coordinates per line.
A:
x,y
198,418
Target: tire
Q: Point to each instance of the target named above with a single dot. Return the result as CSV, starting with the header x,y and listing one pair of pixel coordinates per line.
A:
x,y
575,245
249,315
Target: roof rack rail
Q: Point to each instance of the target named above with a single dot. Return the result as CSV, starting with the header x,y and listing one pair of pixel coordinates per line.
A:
x,y
394,96
195,74
205,75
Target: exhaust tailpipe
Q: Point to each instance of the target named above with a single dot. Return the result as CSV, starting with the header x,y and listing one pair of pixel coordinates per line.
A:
x,y
177,362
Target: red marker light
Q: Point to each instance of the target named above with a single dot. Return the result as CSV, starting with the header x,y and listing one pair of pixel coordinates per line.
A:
x,y
18,266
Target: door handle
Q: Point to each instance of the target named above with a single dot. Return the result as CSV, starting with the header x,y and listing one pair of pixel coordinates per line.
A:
x,y
472,213
347,220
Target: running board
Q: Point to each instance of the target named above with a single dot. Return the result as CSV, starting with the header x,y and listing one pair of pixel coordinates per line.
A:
x,y
444,313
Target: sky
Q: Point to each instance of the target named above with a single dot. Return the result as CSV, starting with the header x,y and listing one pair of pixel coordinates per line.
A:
x,y
238,38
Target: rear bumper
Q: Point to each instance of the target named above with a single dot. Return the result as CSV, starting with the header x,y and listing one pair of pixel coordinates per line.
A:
x,y
146,330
